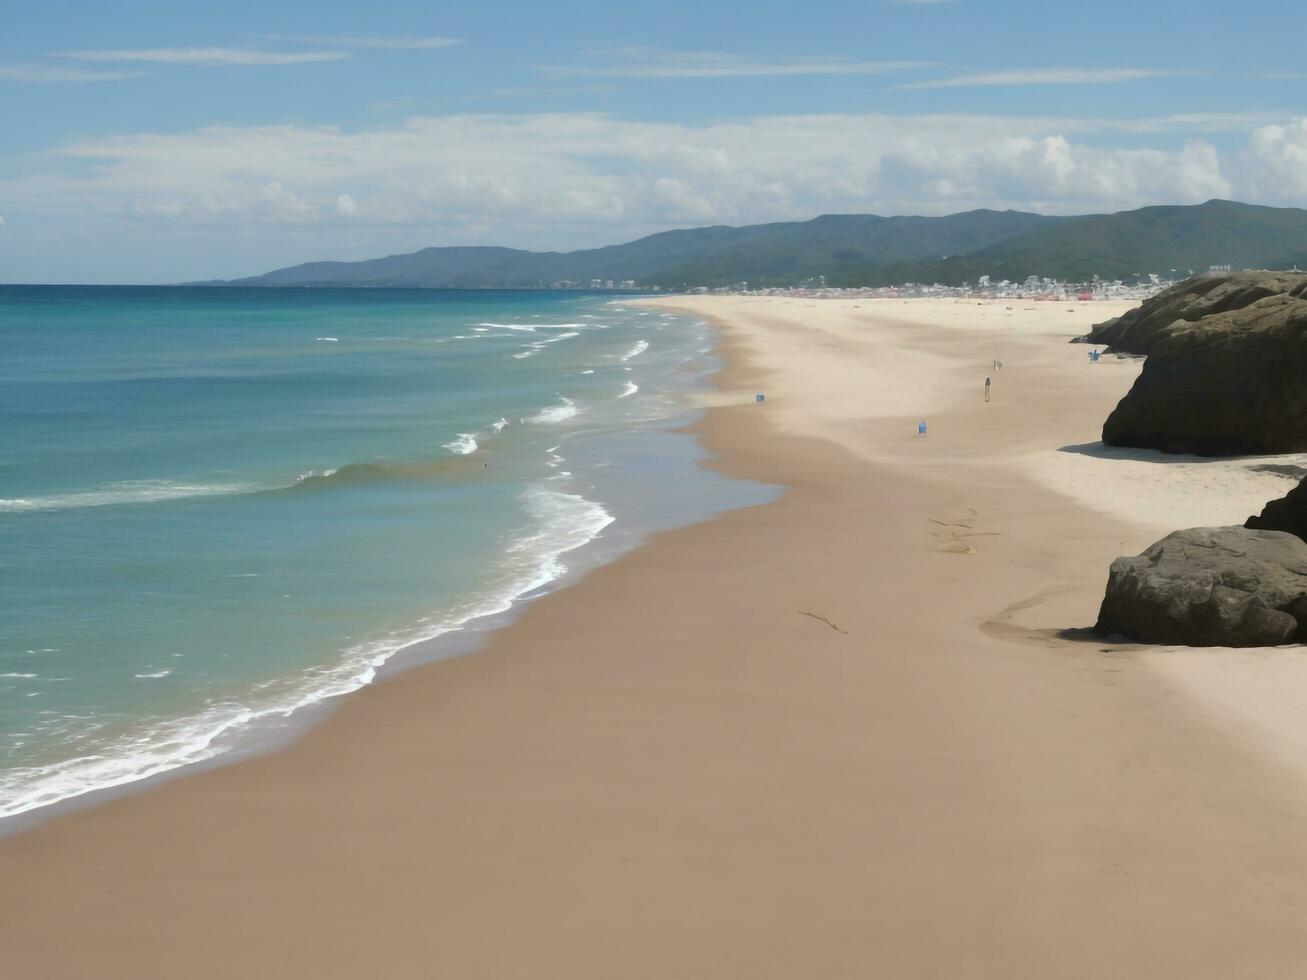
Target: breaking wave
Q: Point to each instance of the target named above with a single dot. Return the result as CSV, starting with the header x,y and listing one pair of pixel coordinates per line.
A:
x,y
564,410
127,492
463,445
562,522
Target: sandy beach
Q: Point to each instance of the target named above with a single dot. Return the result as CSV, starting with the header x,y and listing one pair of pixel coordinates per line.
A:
x,y
857,732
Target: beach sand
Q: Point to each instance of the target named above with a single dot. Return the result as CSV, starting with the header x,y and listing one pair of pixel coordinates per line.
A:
x,y
838,735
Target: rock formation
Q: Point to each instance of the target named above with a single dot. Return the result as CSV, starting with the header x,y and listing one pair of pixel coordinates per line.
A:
x,y
1222,586
1287,513
1231,383
1135,331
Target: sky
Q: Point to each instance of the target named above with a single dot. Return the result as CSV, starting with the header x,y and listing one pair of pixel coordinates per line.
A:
x,y
172,141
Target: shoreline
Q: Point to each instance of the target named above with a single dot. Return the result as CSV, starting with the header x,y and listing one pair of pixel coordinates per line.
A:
x,y
274,728
776,743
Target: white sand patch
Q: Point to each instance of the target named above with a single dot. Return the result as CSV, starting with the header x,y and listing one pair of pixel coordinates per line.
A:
x,y
1256,694
1163,492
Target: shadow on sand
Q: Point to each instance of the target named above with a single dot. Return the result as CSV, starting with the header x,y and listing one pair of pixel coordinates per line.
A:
x,y
1001,627
1257,464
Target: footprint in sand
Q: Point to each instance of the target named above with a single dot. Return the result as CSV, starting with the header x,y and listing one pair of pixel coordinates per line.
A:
x,y
951,536
956,548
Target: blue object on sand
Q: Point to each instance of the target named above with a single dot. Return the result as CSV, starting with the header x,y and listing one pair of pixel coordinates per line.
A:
x,y
921,428
759,397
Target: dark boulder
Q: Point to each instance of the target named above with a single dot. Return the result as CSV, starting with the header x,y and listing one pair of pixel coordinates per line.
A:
x,y
1288,513
1135,332
1210,586
1228,384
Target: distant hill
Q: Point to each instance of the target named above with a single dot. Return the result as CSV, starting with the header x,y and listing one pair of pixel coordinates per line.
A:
x,y
862,249
1119,246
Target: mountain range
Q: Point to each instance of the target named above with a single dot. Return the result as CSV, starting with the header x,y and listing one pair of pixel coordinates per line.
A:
x,y
862,250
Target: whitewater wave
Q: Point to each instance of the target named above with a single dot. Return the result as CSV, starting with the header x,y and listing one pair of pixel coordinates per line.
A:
x,y
532,327
465,444
563,522
469,442
553,414
126,492
640,347
157,491
535,347
629,389
352,473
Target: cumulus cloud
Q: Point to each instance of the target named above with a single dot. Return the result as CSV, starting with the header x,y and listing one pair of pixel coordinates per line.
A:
x,y
1278,160
207,57
578,179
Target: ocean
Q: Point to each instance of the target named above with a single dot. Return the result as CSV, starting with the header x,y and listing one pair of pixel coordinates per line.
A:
x,y
220,506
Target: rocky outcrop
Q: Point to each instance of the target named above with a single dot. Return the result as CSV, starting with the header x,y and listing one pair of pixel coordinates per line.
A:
x,y
1230,383
1189,301
1210,586
1288,513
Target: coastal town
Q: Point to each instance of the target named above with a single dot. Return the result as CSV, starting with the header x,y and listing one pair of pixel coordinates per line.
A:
x,y
1031,288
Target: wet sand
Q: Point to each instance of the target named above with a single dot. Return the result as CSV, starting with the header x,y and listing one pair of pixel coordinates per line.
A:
x,y
839,735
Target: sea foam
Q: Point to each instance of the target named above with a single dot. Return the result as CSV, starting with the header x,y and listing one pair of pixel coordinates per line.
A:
x,y
464,445
563,523
640,347
128,492
564,410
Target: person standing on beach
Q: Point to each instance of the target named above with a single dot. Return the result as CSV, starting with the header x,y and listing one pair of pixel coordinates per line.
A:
x,y
987,389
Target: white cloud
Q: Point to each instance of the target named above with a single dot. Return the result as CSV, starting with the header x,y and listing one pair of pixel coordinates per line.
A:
x,y
231,200
1197,122
569,180
1277,157
58,73
208,57
278,203
653,63
1045,76
392,43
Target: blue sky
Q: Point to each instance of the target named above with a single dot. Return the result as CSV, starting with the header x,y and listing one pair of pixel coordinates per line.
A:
x,y
152,142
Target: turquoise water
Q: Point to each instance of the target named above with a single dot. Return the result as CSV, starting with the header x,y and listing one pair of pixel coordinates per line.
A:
x,y
218,506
